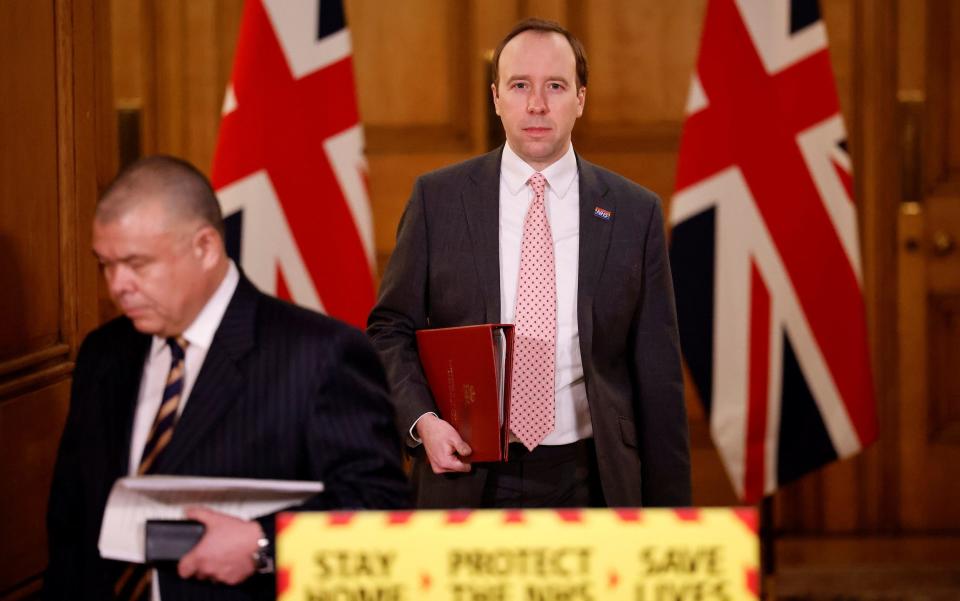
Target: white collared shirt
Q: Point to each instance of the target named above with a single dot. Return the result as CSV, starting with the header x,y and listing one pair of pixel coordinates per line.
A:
x,y
156,367
563,214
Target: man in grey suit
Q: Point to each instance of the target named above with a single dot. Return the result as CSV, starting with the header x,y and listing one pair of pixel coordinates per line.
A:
x,y
204,375
574,256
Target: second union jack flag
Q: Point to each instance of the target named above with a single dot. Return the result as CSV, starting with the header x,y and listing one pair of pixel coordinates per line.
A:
x,y
764,248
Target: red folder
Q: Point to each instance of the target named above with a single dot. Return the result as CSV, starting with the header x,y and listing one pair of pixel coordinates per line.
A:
x,y
462,366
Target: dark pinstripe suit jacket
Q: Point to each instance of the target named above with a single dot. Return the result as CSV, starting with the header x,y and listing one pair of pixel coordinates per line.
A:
x,y
445,271
283,393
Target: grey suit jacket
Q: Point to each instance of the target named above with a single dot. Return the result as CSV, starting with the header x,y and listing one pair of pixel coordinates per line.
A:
x,y
445,271
284,393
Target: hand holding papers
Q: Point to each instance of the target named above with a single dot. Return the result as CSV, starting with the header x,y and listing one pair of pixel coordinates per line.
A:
x,y
135,500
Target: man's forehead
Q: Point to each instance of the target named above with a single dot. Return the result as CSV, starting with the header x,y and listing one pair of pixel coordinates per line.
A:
x,y
152,211
136,225
533,37
520,53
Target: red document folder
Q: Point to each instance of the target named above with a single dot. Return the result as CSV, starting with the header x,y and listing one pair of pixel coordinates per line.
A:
x,y
466,374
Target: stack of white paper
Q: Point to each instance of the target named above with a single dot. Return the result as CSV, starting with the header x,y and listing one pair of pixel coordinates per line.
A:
x,y
135,500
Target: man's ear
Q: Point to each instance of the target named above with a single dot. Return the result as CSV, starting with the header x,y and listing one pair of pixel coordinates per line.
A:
x,y
496,97
208,246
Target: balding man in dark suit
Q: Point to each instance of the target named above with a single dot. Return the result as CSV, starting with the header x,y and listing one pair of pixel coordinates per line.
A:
x,y
204,375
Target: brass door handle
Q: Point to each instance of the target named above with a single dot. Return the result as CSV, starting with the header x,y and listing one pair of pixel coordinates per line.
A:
x,y
943,243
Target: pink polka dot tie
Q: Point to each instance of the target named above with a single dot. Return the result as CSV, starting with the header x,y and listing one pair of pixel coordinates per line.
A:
x,y
535,327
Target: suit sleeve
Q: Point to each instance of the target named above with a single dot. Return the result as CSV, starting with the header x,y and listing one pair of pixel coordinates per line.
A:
x,y
401,310
665,449
66,511
352,447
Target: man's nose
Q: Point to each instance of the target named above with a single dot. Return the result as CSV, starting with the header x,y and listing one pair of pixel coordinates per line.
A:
x,y
536,103
118,280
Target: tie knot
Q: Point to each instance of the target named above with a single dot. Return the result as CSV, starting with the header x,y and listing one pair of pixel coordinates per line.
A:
x,y
538,183
177,346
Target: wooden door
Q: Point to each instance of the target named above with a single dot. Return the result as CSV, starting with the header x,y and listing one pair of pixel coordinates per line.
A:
x,y
929,258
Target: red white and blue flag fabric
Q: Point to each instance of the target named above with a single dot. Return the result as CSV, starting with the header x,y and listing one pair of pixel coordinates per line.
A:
x,y
764,248
289,168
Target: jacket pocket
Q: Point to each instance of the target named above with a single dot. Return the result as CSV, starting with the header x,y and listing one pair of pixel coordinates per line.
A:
x,y
628,432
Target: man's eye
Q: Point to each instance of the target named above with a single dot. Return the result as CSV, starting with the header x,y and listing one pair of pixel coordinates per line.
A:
x,y
556,86
520,85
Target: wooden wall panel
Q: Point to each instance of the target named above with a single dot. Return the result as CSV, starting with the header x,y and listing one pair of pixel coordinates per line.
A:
x,y
172,61
28,181
425,80
544,9
939,94
422,102
874,147
450,126
59,152
30,427
952,44
128,69
944,328
641,58
190,80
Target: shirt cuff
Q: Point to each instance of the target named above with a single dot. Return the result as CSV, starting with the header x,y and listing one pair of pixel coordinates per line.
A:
x,y
413,428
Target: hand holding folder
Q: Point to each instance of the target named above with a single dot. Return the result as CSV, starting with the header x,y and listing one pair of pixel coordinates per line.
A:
x,y
468,370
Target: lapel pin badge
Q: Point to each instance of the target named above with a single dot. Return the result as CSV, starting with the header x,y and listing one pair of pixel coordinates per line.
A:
x,y
602,213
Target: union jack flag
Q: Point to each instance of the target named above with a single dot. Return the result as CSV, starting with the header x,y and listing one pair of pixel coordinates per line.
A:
x,y
764,248
289,168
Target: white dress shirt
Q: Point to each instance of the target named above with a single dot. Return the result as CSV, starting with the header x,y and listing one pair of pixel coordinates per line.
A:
x,y
156,368
563,214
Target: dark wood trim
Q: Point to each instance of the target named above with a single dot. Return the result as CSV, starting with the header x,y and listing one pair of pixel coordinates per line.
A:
x,y
950,186
35,359
36,380
937,58
149,140
415,139
875,153
462,99
100,166
66,164
656,136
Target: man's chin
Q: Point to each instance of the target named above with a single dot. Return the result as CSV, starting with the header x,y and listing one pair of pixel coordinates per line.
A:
x,y
146,325
539,153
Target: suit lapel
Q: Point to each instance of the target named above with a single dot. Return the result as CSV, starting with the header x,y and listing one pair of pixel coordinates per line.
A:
x,y
123,393
595,234
220,380
481,205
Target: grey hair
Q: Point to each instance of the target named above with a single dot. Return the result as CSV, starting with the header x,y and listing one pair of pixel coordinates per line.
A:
x,y
186,192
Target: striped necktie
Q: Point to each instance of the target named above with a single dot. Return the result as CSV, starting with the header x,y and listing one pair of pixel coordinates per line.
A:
x,y
134,583
162,430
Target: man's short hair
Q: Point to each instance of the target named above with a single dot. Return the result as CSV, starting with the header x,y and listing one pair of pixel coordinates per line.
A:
x,y
186,191
543,26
